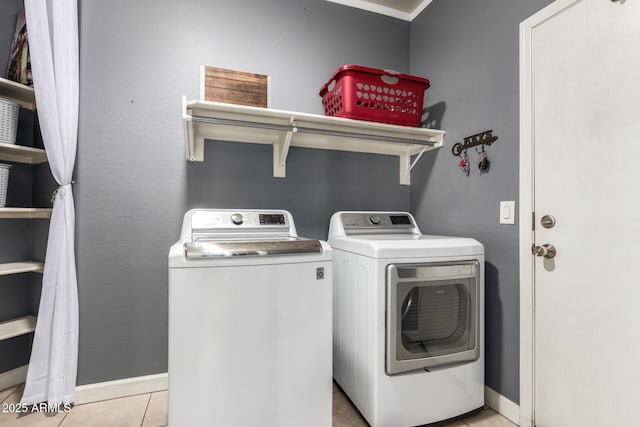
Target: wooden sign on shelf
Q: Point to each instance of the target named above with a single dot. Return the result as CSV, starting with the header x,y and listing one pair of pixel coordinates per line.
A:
x,y
235,87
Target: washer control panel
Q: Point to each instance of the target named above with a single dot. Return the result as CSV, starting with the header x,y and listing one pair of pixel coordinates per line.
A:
x,y
237,219
272,219
210,220
394,222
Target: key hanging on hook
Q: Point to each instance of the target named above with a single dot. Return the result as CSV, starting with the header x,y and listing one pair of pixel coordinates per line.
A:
x,y
483,162
464,162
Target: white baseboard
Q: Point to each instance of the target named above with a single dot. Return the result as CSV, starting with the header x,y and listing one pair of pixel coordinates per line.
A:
x,y
160,382
502,405
121,388
13,377
98,391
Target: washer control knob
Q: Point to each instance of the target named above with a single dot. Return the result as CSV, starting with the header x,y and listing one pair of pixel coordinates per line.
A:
x,y
237,219
375,220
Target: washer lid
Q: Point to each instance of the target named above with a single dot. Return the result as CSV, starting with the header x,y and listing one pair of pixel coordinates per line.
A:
x,y
407,246
238,237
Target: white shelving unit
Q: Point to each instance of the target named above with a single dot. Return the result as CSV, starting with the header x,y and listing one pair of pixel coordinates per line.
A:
x,y
22,154
25,96
17,327
284,129
25,213
21,267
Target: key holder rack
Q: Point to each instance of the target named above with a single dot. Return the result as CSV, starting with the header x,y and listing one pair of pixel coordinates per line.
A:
x,y
480,139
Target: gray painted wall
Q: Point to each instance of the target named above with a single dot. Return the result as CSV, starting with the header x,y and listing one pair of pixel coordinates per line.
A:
x,y
469,51
133,184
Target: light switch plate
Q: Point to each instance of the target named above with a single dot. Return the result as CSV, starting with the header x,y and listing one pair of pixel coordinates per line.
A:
x,y
507,212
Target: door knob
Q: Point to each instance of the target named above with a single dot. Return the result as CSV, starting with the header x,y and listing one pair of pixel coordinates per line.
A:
x,y
546,250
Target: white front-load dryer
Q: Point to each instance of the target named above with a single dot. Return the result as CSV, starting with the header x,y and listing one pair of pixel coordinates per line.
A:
x,y
408,322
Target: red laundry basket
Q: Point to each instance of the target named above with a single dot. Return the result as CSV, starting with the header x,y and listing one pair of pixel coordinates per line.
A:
x,y
364,93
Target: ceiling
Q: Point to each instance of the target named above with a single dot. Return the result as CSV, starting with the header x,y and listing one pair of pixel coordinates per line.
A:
x,y
406,10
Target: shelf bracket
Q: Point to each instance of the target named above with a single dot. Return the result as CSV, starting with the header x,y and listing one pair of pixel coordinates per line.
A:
x,y
281,151
405,167
417,158
193,148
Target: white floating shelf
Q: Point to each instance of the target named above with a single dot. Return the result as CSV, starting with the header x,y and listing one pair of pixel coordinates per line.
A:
x,y
28,213
22,154
22,94
13,377
21,267
16,327
284,129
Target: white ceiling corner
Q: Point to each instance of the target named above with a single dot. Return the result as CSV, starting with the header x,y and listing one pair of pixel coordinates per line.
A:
x,y
407,10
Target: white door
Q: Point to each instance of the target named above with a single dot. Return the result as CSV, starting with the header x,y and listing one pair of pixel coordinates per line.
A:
x,y
586,174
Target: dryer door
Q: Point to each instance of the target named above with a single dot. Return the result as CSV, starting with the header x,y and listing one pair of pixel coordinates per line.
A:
x,y
432,315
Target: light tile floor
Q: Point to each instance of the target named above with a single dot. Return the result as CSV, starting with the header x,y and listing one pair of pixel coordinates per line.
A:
x,y
150,410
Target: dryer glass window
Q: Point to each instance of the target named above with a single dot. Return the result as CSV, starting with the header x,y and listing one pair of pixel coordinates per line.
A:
x,y
435,320
433,315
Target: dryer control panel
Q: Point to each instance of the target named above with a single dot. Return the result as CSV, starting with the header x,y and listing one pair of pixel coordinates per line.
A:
x,y
376,222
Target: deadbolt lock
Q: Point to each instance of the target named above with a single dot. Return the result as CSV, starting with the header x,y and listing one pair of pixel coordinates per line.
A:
x,y
548,221
546,250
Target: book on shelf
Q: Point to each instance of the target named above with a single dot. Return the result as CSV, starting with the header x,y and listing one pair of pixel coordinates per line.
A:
x,y
19,67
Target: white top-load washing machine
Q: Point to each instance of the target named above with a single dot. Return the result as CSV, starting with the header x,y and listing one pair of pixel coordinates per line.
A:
x,y
408,319
250,307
